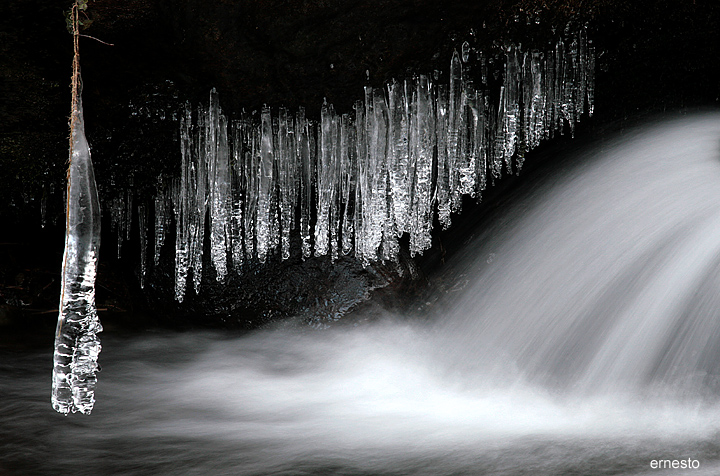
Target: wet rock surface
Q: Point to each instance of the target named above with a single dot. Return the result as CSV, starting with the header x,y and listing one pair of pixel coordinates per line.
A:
x,y
315,292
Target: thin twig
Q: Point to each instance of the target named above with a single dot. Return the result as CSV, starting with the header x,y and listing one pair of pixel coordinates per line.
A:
x,y
74,116
96,39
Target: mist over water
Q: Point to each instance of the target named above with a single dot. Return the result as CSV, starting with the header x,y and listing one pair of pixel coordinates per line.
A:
x,y
582,337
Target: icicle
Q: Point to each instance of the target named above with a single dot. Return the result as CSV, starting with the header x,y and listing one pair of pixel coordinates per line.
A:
x,y
252,169
500,133
329,184
76,343
376,217
443,172
535,101
568,85
265,187
390,234
326,164
558,93
143,231
590,78
182,206
306,186
524,127
454,121
348,172
581,75
424,133
494,169
482,59
336,188
398,158
526,105
220,205
237,187
293,179
465,52
128,215
361,183
511,107
274,226
481,145
160,221
466,140
286,170
198,196
117,222
549,93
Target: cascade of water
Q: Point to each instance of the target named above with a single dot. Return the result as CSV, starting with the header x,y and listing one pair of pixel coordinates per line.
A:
x,y
410,152
616,263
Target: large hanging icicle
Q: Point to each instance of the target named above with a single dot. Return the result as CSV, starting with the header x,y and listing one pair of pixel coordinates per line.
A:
x,y
76,342
356,183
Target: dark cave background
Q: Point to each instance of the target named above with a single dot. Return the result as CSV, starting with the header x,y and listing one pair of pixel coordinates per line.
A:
x,y
653,57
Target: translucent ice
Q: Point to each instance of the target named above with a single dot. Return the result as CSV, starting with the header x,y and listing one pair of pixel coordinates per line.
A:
x,y
76,343
358,182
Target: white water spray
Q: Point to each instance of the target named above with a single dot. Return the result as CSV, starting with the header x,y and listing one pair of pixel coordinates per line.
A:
x,y
607,279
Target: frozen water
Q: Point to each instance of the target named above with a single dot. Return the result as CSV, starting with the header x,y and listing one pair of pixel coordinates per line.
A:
x,y
359,182
76,343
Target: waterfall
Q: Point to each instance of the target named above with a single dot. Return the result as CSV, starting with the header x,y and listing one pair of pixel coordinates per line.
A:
x,y
606,279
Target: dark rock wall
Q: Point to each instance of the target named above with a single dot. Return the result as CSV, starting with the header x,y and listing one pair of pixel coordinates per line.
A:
x,y
652,56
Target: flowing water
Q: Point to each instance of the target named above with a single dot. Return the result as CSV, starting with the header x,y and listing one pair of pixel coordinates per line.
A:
x,y
581,337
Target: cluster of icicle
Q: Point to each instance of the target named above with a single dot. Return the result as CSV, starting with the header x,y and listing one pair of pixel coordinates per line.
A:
x,y
357,182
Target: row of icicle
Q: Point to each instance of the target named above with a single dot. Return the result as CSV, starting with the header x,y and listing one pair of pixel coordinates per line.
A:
x,y
354,183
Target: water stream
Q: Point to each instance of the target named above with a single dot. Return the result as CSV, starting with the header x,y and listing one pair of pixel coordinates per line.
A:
x,y
582,337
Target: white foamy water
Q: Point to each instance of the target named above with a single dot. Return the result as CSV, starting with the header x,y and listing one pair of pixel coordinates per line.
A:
x,y
585,345
606,278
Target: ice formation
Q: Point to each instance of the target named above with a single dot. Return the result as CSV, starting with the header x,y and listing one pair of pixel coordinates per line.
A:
x,y
354,183
76,343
